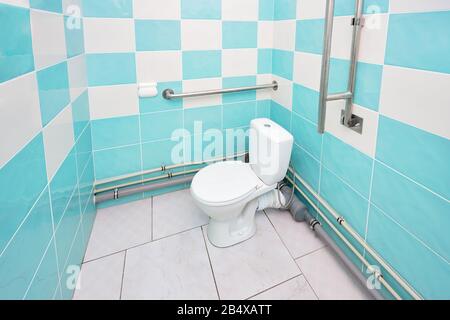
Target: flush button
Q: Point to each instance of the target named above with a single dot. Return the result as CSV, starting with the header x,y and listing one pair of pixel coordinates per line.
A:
x,y
267,125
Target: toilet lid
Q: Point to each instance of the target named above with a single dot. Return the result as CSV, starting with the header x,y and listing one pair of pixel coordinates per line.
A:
x,y
224,182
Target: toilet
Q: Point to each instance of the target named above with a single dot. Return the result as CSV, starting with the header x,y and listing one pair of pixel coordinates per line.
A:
x,y
231,192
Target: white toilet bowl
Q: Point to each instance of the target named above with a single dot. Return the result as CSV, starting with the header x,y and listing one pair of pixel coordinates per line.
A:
x,y
231,192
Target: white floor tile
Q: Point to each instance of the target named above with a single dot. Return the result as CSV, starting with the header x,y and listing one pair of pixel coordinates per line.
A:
x,y
175,212
176,267
294,289
252,266
120,227
101,279
329,277
297,236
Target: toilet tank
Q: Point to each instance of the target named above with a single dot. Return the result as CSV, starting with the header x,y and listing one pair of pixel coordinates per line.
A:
x,y
270,148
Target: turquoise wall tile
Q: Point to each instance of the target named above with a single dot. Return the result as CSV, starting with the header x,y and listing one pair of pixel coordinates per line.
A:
x,y
75,258
21,182
153,35
280,115
285,9
264,61
305,102
48,5
62,186
201,9
158,153
16,51
417,154
309,36
266,9
89,215
238,114
239,34
80,113
236,140
351,165
415,208
236,82
368,85
46,280
53,84
117,162
283,63
85,184
84,149
108,8
210,118
202,64
160,125
263,108
352,206
158,103
419,40
74,39
347,7
306,135
306,166
111,68
22,257
115,132
66,231
339,72
428,273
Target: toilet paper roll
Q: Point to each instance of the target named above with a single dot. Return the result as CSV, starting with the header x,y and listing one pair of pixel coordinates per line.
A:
x,y
147,92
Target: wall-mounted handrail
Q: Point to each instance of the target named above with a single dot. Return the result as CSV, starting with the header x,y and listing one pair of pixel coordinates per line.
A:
x,y
348,118
169,94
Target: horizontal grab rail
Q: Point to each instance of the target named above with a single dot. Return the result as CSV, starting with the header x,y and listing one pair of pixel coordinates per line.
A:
x,y
169,94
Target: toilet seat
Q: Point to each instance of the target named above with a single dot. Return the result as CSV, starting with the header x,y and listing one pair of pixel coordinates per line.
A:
x,y
225,183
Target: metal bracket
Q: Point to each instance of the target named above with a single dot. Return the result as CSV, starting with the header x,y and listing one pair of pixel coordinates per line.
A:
x,y
355,123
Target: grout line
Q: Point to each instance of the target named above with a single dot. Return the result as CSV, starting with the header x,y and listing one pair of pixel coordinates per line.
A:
x,y
210,263
270,288
123,273
142,244
151,218
309,283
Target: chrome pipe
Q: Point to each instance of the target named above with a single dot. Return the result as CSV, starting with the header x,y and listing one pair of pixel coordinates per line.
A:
x,y
340,96
169,94
356,37
325,72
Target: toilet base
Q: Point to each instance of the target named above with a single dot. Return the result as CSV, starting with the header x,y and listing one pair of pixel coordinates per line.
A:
x,y
227,233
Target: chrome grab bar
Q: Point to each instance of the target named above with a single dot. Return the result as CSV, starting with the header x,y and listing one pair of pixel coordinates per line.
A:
x,y
348,118
169,94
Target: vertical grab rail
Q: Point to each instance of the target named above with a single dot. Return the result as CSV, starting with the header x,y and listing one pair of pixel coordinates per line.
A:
x,y
348,119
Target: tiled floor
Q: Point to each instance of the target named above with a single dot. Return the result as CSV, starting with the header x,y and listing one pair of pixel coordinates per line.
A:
x,y
158,249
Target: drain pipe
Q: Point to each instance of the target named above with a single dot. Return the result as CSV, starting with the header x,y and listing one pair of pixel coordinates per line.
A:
x,y
118,193
300,214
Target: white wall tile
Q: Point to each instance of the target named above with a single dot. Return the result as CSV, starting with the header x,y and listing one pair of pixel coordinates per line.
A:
x,y
58,140
402,6
200,85
239,62
365,142
49,42
113,101
265,34
20,115
307,68
342,38
311,9
108,35
77,73
284,35
373,39
159,66
236,10
201,34
416,97
264,79
20,3
157,9
283,95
